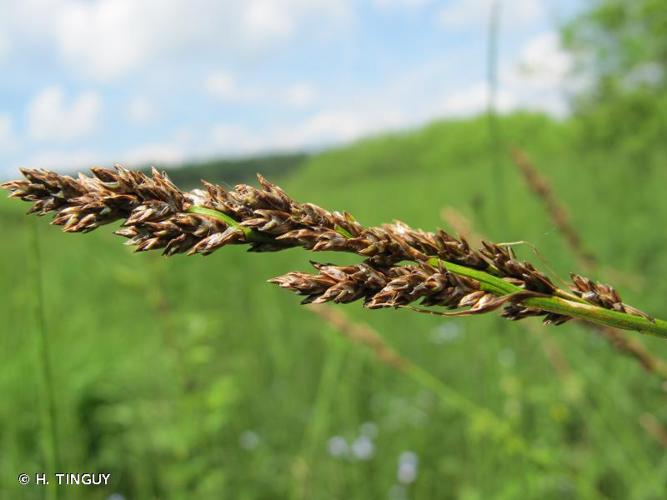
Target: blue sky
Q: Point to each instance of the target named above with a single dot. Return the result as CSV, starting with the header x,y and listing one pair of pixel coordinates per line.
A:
x,y
133,81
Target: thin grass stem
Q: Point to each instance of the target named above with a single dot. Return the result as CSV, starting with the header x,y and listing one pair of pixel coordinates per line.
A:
x,y
49,416
492,117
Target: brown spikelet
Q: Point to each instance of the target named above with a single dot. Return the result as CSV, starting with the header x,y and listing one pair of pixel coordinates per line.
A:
x,y
402,286
509,267
602,295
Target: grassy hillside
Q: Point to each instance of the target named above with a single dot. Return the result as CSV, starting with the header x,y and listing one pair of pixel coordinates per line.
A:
x,y
187,377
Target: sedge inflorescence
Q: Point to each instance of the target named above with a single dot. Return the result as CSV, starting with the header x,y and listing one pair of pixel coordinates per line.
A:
x,y
401,267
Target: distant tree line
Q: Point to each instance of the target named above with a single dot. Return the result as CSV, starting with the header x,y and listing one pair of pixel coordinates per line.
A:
x,y
233,171
620,49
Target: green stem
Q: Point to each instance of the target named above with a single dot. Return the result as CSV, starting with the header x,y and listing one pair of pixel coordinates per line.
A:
x,y
559,305
495,142
195,209
248,233
49,410
570,306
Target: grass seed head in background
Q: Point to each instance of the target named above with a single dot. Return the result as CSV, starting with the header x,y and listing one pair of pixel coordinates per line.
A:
x,y
443,270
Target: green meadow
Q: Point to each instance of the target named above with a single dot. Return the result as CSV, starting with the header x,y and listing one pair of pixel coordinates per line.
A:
x,y
192,377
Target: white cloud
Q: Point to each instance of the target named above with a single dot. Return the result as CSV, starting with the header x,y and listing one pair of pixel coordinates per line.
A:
x,y
474,99
323,128
21,16
351,115
8,139
50,118
222,85
538,79
401,4
170,152
176,149
234,139
106,39
543,60
466,14
140,111
336,126
263,23
300,95
266,20
63,160
109,39
535,80
157,153
5,46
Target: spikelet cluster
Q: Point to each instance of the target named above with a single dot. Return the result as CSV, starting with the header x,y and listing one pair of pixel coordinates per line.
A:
x,y
397,269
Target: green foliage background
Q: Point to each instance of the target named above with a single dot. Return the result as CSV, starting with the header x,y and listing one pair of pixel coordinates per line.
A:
x,y
620,50
193,378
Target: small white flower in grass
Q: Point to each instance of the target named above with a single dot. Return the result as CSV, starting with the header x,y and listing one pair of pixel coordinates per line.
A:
x,y
338,446
446,332
249,440
363,448
408,465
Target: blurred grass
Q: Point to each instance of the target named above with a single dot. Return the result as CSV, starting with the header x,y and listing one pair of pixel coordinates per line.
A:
x,y
193,378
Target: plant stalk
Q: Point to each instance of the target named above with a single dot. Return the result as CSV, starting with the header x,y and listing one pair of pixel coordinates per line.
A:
x,y
50,428
558,305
